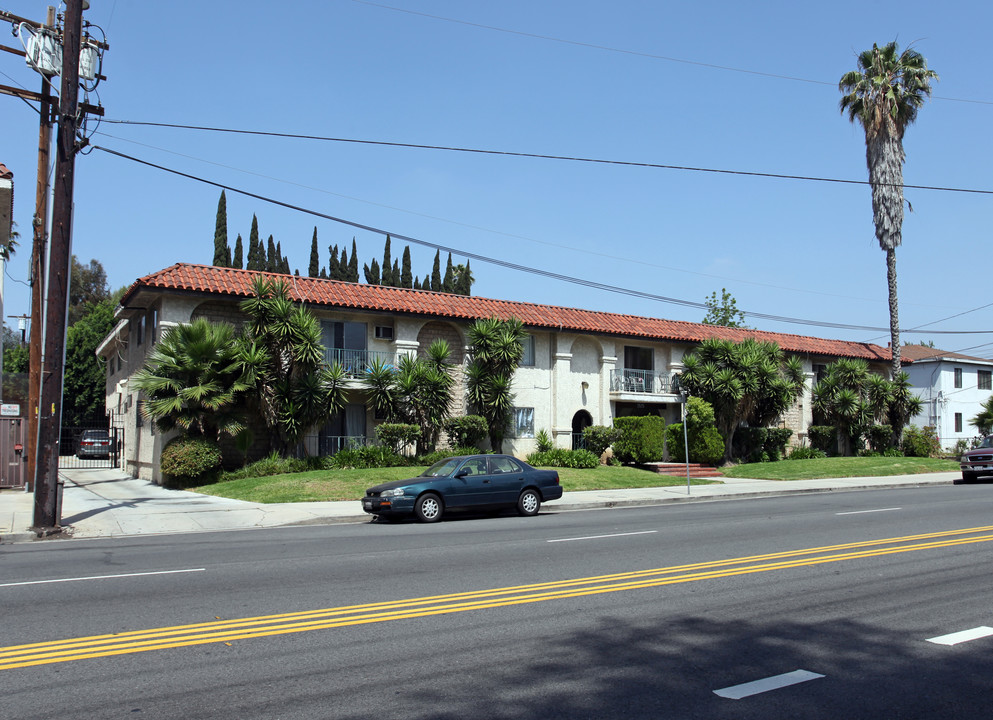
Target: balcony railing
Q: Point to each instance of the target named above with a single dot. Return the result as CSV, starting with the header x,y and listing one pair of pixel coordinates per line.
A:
x,y
643,381
356,362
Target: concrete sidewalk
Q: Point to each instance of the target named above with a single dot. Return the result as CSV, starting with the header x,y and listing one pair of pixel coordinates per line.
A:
x,y
108,503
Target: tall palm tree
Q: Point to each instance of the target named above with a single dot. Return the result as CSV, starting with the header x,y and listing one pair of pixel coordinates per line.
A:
x,y
884,95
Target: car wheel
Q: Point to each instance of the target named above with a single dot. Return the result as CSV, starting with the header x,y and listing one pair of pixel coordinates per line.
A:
x,y
429,508
969,477
529,503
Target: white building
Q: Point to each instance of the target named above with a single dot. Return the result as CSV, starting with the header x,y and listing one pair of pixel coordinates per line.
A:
x,y
952,387
581,367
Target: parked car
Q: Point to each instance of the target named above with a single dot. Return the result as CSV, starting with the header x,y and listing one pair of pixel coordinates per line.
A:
x,y
978,461
93,444
465,482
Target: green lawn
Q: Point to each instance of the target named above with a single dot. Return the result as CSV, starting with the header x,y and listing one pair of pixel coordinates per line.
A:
x,y
322,485
839,467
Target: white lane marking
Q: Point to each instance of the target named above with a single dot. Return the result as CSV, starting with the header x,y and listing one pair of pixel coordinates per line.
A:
x,y
737,692
962,636
860,512
597,537
103,577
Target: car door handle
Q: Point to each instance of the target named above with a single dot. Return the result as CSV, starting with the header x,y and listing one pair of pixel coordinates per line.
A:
x,y
486,482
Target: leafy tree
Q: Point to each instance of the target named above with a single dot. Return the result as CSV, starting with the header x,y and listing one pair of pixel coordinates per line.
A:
x,y
315,259
884,95
87,287
748,382
238,260
222,251
463,279
84,388
8,248
983,422
192,380
283,361
852,399
903,406
724,312
406,280
496,350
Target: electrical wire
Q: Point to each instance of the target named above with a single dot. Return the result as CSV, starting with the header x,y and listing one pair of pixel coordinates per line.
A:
x,y
506,264
543,156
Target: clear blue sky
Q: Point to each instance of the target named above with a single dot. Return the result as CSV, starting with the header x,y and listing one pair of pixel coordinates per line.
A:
x,y
724,85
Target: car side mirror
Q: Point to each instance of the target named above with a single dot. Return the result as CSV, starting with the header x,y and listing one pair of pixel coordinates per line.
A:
x,y
461,473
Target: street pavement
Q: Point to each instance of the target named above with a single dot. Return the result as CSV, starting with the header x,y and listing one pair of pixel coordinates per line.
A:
x,y
108,503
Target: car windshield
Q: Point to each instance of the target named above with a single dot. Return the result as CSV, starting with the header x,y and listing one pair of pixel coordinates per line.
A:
x,y
987,442
442,468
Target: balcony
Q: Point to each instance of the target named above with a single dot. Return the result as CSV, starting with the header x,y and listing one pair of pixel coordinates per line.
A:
x,y
356,362
642,382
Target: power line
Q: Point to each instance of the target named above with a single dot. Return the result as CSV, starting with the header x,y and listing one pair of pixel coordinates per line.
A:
x,y
504,263
623,51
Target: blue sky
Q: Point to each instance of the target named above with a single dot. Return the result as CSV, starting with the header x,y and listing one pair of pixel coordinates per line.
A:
x,y
723,85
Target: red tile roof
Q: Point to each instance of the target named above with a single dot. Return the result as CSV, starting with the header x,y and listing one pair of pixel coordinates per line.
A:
x,y
334,293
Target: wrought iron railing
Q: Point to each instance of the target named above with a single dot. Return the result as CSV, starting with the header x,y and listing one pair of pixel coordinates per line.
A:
x,y
356,362
320,445
643,381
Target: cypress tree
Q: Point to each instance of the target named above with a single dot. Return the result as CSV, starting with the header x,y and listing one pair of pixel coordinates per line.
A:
x,y
333,262
448,284
353,265
315,260
387,277
405,277
254,246
371,272
222,251
343,266
271,262
436,272
239,251
324,273
463,283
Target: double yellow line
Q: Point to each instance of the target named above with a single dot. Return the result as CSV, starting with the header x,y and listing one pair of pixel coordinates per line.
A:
x,y
20,656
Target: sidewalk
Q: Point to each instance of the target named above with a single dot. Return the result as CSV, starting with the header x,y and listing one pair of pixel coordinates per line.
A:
x,y
108,503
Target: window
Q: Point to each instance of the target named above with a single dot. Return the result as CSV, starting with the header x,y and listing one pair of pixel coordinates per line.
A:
x,y
985,379
528,359
384,332
522,422
153,324
958,377
500,465
958,422
139,329
638,358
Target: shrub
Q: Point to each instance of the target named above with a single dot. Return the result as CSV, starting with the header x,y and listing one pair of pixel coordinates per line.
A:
x,y
921,442
802,452
749,444
706,444
432,457
880,437
368,456
543,441
823,438
598,438
776,440
188,458
560,457
397,436
640,440
274,464
465,431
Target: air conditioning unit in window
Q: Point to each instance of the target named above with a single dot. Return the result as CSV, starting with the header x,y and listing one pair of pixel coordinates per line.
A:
x,y
384,332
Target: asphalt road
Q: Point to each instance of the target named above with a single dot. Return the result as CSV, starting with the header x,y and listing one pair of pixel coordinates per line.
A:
x,y
814,606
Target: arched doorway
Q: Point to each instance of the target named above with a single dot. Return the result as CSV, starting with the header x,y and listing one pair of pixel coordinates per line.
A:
x,y
580,420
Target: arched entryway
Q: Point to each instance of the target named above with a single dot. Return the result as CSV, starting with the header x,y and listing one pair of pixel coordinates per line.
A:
x,y
580,420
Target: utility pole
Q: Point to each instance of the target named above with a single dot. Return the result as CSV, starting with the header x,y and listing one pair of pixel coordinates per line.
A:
x,y
38,248
46,501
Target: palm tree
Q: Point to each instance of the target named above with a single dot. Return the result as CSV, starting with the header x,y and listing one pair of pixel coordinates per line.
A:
x,y
884,95
192,380
497,350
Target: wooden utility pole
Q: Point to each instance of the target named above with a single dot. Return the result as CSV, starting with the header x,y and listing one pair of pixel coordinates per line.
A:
x,y
46,501
38,269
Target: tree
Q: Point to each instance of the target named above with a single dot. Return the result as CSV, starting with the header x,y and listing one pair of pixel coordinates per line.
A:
x,y
406,280
748,382
852,399
353,265
222,251
84,389
884,95
448,283
724,312
283,360
334,267
272,261
496,350
314,269
256,253
983,422
192,380
238,261
87,287
463,279
387,272
371,273
436,272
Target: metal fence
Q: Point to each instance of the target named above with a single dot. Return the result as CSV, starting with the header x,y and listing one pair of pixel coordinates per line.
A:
x,y
96,445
